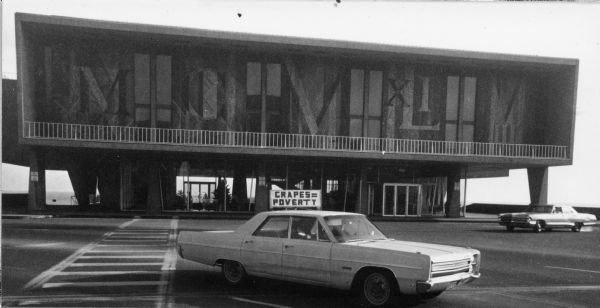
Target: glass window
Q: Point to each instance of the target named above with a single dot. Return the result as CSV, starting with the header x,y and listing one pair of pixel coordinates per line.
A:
x,y
357,84
275,226
375,93
274,79
323,237
353,228
253,78
304,228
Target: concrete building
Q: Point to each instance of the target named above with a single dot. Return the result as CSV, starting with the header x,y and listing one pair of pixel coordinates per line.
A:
x,y
161,119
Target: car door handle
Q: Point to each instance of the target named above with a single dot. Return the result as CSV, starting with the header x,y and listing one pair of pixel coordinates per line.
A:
x,y
288,246
248,241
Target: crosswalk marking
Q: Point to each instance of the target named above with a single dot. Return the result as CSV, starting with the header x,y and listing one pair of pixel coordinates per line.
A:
x,y
132,251
126,251
115,264
100,273
103,284
121,257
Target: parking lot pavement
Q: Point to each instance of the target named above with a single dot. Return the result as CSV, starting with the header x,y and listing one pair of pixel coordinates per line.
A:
x,y
128,263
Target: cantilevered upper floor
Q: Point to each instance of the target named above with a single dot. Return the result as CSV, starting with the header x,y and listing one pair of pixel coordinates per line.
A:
x,y
89,83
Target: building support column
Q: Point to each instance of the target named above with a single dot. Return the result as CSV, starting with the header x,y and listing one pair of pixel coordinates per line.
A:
x,y
154,199
36,199
453,194
538,185
83,180
109,184
262,190
363,191
126,185
240,190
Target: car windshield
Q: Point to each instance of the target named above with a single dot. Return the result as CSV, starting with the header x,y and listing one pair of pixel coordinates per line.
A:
x,y
352,228
539,209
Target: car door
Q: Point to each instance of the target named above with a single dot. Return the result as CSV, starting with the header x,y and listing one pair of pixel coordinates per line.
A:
x,y
307,253
262,250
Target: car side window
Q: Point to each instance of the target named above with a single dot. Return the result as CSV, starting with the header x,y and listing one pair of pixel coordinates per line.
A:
x,y
274,226
557,210
323,237
304,228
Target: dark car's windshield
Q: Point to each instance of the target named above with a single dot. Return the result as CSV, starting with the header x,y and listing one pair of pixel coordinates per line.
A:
x,y
539,209
353,228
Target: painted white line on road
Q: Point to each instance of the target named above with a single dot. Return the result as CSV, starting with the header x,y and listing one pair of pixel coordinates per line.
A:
x,y
47,275
116,264
138,236
130,245
169,266
40,245
132,240
574,269
107,284
113,300
546,302
239,299
122,257
127,251
527,289
101,273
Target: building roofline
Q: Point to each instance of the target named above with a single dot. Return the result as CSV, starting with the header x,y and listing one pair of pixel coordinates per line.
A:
x,y
330,45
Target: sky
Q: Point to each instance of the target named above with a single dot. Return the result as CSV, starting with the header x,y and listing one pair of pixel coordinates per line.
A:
x,y
569,30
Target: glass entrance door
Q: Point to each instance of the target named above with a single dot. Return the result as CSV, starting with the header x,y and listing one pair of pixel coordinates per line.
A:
x,y
401,200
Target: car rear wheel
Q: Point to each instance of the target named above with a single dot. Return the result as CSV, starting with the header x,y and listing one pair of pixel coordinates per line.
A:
x,y
377,289
537,227
576,227
233,272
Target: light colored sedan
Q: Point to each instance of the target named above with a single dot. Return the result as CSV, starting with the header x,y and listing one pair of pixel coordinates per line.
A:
x,y
547,217
332,249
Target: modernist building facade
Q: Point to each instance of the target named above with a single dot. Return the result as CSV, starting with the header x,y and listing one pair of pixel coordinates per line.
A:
x,y
160,119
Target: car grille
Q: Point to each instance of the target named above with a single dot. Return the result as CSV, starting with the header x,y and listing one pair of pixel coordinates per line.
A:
x,y
505,218
520,220
450,267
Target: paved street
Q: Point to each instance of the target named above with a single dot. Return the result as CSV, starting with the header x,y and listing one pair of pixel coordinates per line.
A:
x,y
81,262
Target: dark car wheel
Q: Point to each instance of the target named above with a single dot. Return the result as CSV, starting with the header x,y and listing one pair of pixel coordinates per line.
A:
x,y
576,227
537,227
377,289
233,272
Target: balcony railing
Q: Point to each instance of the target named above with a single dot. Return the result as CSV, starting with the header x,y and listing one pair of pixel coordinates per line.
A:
x,y
185,137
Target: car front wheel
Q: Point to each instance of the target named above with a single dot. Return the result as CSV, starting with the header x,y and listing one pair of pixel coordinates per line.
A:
x,y
576,227
377,289
233,272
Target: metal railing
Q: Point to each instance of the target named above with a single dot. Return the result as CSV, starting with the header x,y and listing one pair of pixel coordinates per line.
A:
x,y
130,134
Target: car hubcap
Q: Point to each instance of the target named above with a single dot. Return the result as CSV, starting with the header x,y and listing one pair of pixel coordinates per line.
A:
x,y
377,289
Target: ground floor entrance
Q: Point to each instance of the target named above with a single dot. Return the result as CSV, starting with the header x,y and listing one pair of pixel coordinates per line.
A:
x,y
208,184
196,183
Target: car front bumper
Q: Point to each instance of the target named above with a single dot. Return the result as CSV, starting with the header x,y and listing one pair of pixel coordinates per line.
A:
x,y
440,284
